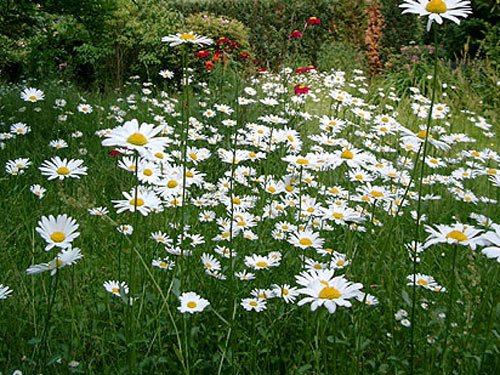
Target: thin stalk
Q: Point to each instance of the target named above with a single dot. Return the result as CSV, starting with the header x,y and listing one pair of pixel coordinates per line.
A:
x,y
449,316
419,201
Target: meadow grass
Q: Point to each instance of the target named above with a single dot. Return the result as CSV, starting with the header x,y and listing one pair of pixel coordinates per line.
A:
x,y
90,331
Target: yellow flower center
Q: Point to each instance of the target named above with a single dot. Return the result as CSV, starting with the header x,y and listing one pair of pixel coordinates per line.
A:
x,y
159,155
163,264
422,282
329,293
253,303
172,184
376,194
137,139
32,98
115,290
189,174
302,161
340,263
148,172
338,215
271,189
58,237
347,154
136,202
305,242
457,235
59,263
491,171
436,6
422,134
236,200
261,264
193,156
187,36
192,304
63,171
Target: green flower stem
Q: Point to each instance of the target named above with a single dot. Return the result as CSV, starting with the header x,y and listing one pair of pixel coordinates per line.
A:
x,y
419,201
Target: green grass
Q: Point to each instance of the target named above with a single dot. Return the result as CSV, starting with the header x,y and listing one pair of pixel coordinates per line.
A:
x,y
105,336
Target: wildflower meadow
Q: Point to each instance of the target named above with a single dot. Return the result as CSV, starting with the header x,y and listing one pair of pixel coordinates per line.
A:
x,y
223,215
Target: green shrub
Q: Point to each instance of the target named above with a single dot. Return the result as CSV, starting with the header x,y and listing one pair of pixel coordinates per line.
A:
x,y
215,27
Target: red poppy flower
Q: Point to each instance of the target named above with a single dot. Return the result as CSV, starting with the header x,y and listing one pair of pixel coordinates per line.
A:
x,y
301,89
244,55
209,65
114,153
295,34
261,70
202,54
313,21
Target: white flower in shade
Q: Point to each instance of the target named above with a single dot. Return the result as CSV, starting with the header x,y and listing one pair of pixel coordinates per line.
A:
x,y
436,10
58,144
38,190
58,232
125,229
117,288
98,211
62,168
20,129
335,293
167,74
190,38
424,281
164,264
65,258
136,137
459,234
32,95
192,303
84,108
5,291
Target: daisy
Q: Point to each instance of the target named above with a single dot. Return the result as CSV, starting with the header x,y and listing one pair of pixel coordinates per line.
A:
x,y
289,294
336,293
62,168
38,190
98,211
65,258
117,288
32,95
164,264
492,239
245,275
167,74
84,108
136,137
192,303
125,229
259,262
458,233
145,201
187,38
20,129
58,144
5,291
210,263
255,304
305,239
58,232
423,281
438,9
